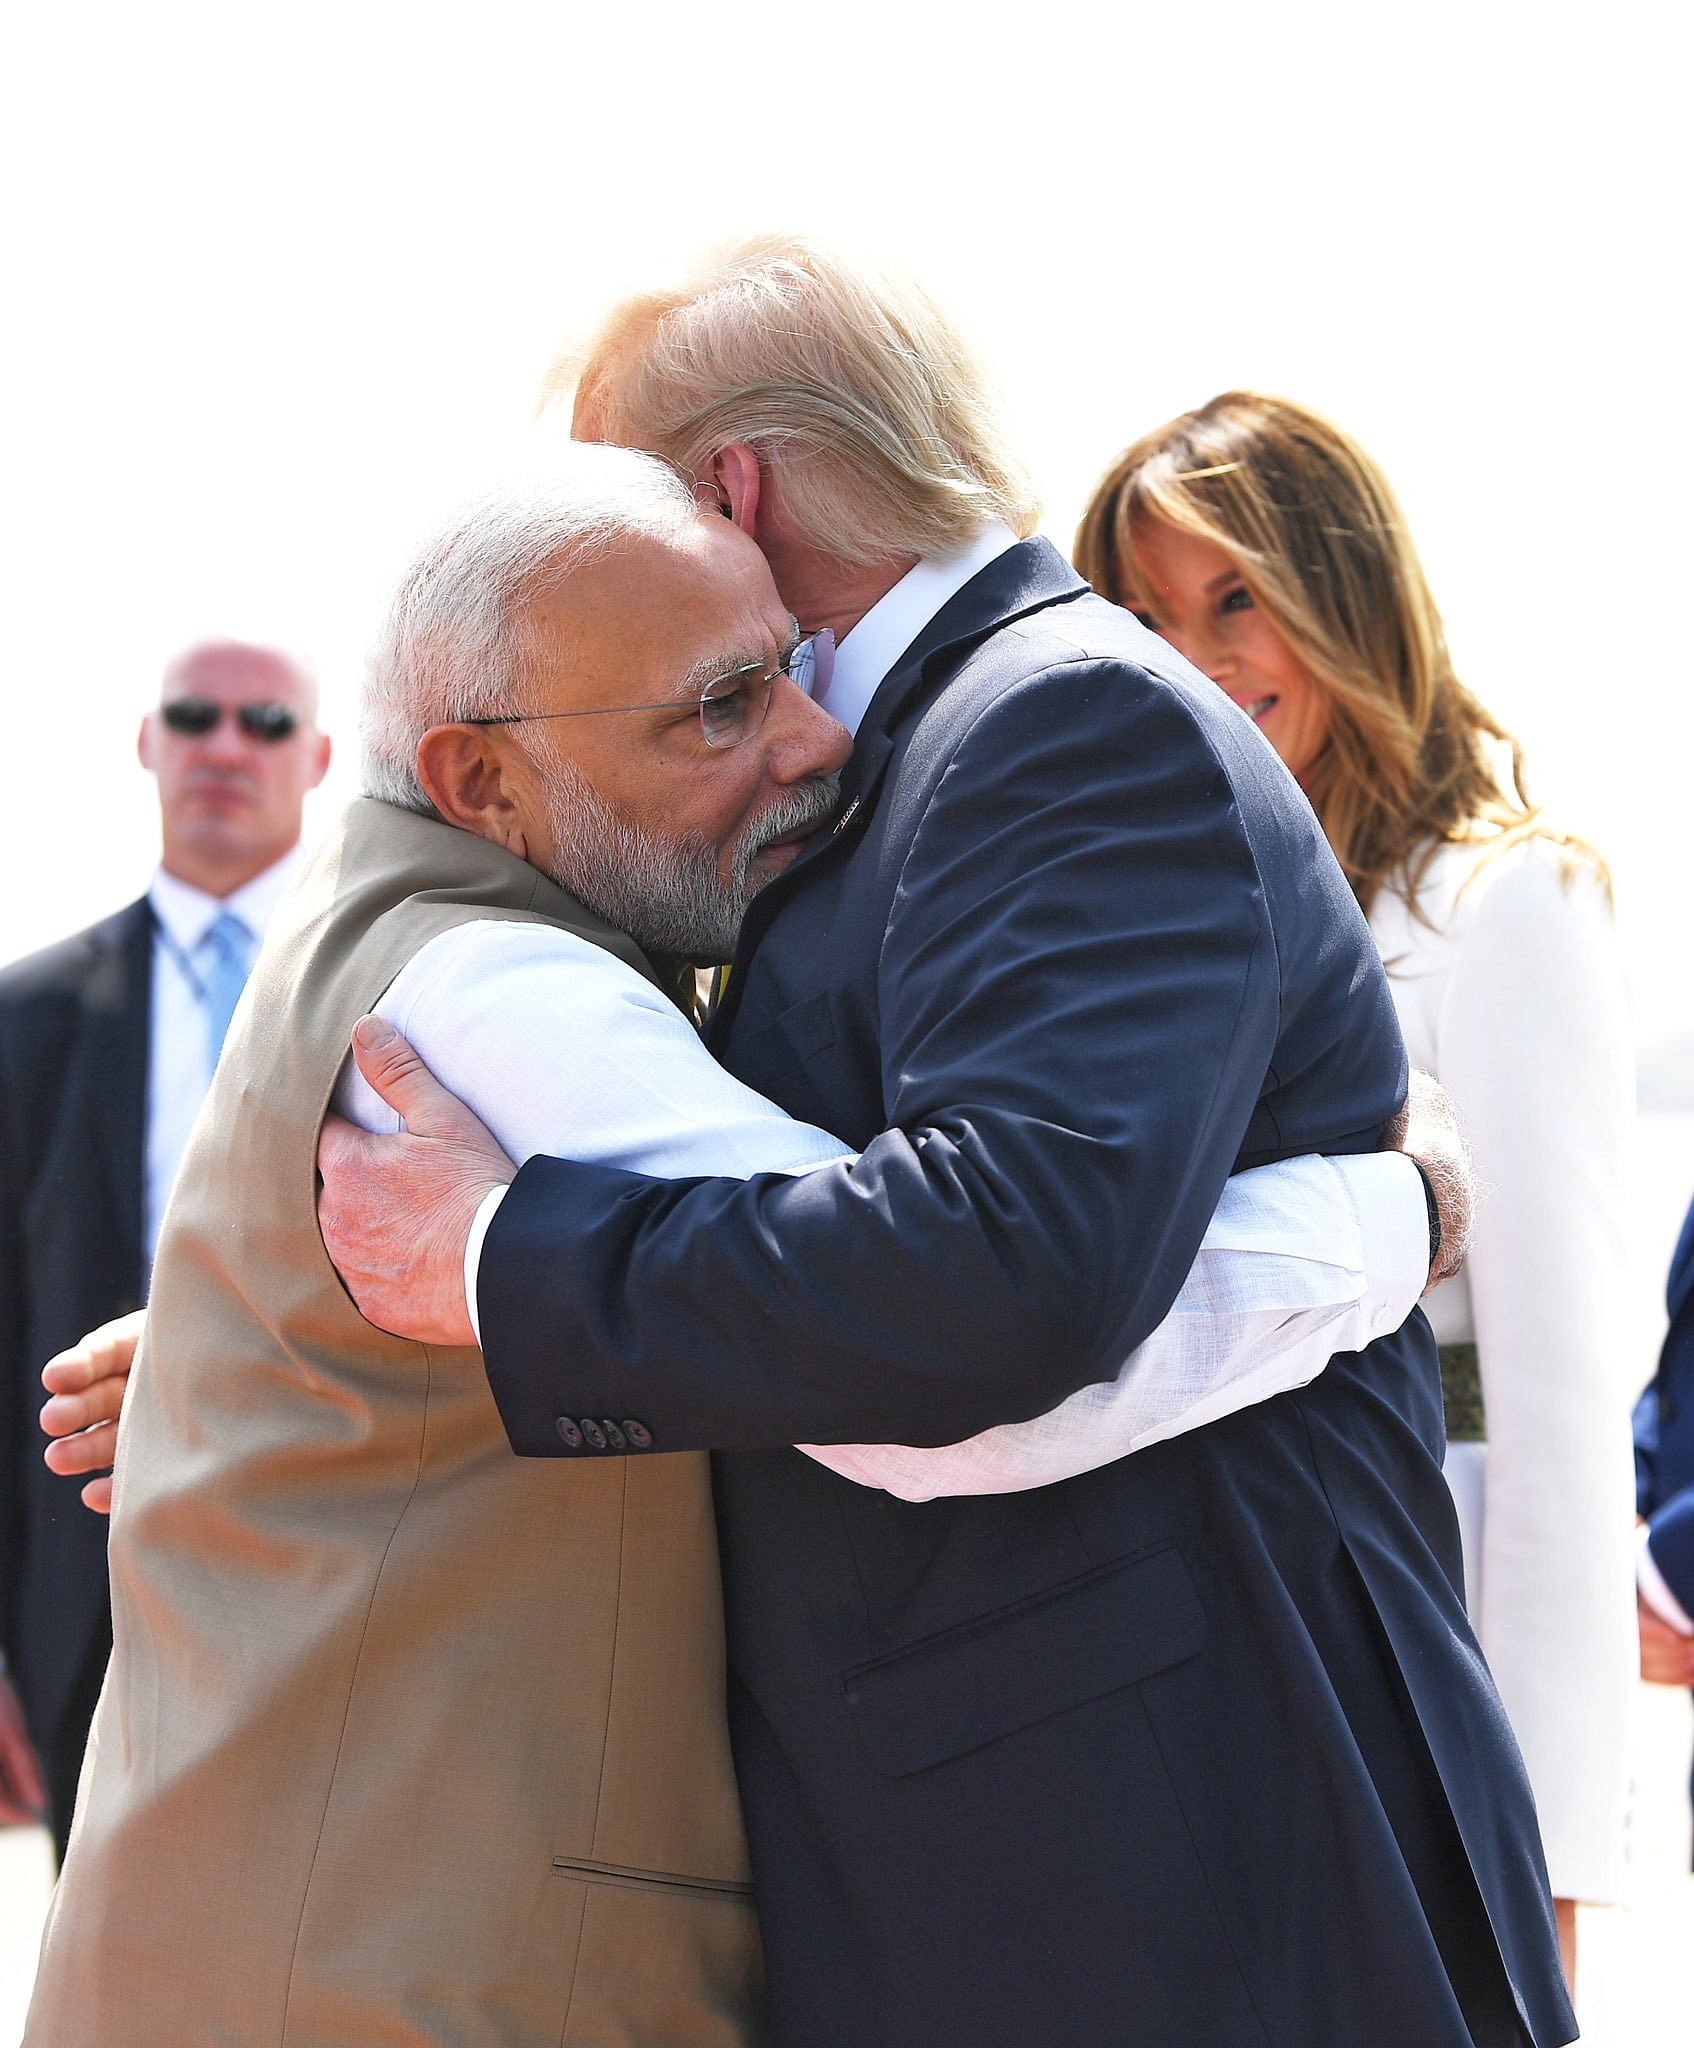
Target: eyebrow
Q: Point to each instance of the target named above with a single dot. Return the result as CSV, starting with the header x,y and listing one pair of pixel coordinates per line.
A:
x,y
717,666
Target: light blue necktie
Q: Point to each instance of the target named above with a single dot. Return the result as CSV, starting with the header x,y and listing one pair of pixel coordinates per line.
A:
x,y
227,948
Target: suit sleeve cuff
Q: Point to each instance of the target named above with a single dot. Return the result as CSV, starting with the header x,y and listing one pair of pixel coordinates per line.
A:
x,y
1388,1198
473,1253
1656,1592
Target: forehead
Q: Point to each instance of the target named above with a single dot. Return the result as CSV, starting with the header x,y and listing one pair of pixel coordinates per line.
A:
x,y
1172,562
654,611
236,675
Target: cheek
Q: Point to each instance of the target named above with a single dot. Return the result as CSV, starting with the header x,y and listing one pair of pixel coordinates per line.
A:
x,y
1304,723
1268,659
682,796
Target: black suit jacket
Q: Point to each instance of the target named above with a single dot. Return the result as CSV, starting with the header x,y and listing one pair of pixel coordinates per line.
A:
x,y
1197,1749
74,1028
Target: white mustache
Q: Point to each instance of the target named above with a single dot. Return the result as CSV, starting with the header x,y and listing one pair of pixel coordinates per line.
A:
x,y
808,805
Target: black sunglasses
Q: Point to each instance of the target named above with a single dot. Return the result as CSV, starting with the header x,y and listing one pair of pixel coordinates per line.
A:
x,y
194,717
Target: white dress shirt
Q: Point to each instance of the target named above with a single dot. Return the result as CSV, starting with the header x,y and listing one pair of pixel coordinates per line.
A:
x,y
179,1059
1509,991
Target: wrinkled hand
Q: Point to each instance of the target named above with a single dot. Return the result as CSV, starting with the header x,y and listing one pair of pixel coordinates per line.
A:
x,y
23,1794
1666,1657
87,1385
396,1212
1427,1129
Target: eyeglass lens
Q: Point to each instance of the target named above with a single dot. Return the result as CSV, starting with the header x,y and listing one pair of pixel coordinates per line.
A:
x,y
733,710
814,663
194,717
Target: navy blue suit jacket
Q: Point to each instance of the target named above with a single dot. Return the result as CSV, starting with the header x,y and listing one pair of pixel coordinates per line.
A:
x,y
1198,1749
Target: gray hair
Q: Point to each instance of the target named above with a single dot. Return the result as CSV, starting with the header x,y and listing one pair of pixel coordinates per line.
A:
x,y
458,644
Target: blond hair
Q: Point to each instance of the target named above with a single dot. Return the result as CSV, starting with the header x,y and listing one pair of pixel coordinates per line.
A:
x,y
871,410
1412,758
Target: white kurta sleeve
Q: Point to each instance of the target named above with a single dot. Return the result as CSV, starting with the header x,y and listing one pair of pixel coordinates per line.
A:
x,y
1301,1262
563,1050
1534,1044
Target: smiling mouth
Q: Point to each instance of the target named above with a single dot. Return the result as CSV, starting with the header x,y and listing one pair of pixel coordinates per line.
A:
x,y
1257,708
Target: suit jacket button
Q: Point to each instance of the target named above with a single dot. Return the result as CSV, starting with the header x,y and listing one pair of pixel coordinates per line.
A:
x,y
594,1433
639,1434
569,1432
614,1436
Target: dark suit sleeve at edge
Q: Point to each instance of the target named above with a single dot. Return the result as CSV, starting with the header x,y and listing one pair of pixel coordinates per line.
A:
x,y
19,1438
1078,996
1671,1539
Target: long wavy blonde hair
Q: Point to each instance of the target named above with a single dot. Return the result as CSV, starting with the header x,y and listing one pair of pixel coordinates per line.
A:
x,y
1412,760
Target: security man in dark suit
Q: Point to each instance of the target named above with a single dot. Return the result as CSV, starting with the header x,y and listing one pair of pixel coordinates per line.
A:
x,y
1193,1751
107,1044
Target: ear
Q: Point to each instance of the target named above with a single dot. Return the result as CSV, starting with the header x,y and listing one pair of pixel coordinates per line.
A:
x,y
320,758
738,479
144,742
466,774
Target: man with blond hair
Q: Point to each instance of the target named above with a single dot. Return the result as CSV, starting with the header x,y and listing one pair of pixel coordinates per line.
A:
x,y
471,1705
1195,1748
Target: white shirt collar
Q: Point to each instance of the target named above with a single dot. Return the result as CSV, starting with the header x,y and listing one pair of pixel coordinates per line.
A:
x,y
188,913
871,650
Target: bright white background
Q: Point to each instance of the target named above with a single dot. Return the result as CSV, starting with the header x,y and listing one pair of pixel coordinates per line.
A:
x,y
281,286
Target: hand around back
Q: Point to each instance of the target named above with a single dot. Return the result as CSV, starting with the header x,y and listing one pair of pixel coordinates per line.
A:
x,y
87,1385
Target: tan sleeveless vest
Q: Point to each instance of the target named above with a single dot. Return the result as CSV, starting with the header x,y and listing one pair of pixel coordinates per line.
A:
x,y
405,1740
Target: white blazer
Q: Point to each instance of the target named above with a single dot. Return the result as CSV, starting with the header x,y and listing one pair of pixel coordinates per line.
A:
x,y
1512,996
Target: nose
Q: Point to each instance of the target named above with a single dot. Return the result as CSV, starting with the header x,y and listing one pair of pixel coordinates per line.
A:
x,y
802,740
227,742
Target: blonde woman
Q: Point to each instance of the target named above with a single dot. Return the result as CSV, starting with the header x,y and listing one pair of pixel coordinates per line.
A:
x,y
1269,550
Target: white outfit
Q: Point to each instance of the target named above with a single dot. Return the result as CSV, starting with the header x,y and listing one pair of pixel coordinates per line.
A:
x,y
1514,1001
564,1050
179,1059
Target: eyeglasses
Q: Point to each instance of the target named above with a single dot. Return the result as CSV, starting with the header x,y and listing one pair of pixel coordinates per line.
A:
x,y
194,717
731,707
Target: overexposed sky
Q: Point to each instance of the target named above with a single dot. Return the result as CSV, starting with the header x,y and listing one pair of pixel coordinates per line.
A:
x,y
282,287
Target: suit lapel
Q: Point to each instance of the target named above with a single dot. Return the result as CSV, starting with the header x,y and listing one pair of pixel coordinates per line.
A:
x,y
1025,579
117,1003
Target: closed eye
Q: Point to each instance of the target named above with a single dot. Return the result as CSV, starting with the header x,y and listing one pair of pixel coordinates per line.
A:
x,y
725,705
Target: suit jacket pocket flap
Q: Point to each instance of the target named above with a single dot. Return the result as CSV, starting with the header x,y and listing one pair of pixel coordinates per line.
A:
x,y
797,1035
975,1684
